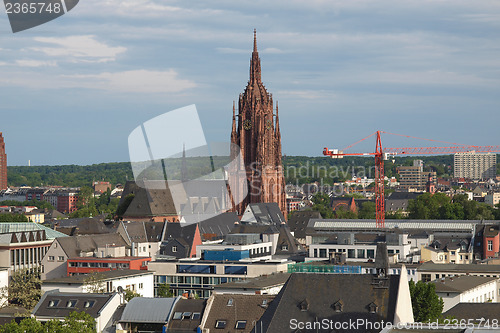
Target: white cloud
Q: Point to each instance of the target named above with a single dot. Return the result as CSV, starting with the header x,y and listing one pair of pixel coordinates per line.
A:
x,y
35,63
78,49
143,81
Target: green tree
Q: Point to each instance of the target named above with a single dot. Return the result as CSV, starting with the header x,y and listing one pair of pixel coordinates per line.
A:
x,y
164,290
129,294
94,283
427,305
367,210
74,322
24,289
8,217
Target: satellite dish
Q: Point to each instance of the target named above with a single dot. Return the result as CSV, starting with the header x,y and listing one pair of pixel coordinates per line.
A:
x,y
120,289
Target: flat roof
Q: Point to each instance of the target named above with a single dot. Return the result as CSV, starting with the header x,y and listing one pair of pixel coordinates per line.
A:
x,y
108,258
106,275
259,282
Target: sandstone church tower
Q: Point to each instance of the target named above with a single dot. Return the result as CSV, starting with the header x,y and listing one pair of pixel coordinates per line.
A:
x,y
3,164
256,131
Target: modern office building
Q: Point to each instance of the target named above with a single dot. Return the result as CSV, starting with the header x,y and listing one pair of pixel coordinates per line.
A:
x,y
413,178
475,166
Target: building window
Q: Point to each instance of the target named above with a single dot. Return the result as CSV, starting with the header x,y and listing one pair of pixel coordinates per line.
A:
x,y
51,258
60,258
220,324
490,245
351,253
141,285
89,304
426,277
283,248
71,303
241,324
53,303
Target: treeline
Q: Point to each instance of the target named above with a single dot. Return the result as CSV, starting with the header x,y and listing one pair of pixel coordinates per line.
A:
x,y
69,175
298,170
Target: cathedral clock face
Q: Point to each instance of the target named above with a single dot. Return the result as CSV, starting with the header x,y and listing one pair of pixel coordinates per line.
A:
x,y
247,124
269,124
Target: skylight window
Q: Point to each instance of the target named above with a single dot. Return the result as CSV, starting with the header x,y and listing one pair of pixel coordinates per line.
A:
x,y
186,315
177,315
88,304
53,303
71,303
230,302
196,315
220,324
241,324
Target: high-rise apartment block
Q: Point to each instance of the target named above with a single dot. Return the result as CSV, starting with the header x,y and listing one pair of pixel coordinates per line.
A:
x,y
475,166
3,164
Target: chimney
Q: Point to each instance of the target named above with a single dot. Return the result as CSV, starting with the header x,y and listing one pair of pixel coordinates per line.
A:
x,y
382,260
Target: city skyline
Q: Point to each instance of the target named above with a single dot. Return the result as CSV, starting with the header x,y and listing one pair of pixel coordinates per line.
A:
x,y
74,88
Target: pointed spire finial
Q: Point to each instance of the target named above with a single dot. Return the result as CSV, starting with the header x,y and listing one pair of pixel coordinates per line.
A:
x,y
255,40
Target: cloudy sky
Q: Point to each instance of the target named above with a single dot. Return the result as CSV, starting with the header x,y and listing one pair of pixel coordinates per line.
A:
x,y
73,89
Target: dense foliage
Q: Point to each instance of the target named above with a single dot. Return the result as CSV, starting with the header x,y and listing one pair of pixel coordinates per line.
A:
x,y
24,289
440,206
427,305
8,217
37,203
88,205
69,175
75,322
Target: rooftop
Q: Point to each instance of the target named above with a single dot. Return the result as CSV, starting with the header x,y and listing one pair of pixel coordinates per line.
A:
x,y
260,282
106,275
459,284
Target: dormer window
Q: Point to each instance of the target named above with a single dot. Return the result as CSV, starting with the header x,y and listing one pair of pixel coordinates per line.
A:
x,y
372,307
338,306
284,247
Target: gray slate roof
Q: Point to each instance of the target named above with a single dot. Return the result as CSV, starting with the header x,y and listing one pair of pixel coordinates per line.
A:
x,y
88,243
306,297
148,310
61,310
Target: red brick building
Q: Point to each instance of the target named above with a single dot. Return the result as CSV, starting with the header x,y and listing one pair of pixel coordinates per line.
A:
x,y
256,131
66,201
491,241
85,265
3,164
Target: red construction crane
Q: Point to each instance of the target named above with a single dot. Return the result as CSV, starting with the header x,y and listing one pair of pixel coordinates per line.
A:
x,y
382,154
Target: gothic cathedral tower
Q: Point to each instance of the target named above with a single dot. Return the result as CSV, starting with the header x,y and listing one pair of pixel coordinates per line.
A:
x,y
256,131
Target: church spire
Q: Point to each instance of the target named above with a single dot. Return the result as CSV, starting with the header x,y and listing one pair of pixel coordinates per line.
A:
x,y
255,62
255,40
